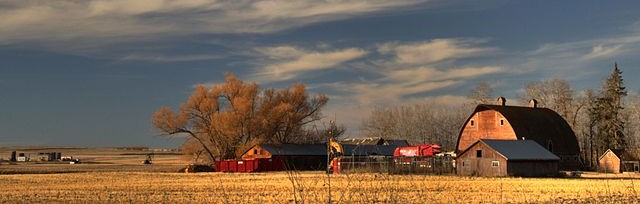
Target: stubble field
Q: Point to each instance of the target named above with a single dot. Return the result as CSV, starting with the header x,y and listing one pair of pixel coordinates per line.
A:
x,y
310,187
112,176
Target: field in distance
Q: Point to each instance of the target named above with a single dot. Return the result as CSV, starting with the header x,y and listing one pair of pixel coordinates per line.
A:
x,y
121,159
307,187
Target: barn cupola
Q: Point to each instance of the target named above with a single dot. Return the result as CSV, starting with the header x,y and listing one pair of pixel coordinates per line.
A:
x,y
533,103
502,101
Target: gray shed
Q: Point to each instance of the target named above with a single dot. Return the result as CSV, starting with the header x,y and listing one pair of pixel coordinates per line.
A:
x,y
507,158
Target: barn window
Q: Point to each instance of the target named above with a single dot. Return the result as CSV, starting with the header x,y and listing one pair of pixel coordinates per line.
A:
x,y
495,163
465,163
479,153
255,151
501,122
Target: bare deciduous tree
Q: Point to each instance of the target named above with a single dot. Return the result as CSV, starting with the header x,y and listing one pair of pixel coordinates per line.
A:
x,y
482,93
555,94
229,118
418,123
632,118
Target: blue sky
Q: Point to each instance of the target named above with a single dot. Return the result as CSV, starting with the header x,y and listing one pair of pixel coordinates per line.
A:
x,y
91,73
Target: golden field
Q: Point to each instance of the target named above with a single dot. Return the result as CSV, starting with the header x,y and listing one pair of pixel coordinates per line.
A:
x,y
111,175
310,187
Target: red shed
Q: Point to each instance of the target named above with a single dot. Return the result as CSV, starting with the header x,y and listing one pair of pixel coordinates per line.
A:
x,y
618,161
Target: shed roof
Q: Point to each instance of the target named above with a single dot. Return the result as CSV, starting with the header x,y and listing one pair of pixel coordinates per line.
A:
x,y
363,141
366,150
296,149
401,143
539,124
519,149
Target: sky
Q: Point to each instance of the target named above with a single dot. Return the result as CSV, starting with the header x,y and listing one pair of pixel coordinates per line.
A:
x,y
91,73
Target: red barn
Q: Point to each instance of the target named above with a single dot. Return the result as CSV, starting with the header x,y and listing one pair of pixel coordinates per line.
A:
x,y
542,125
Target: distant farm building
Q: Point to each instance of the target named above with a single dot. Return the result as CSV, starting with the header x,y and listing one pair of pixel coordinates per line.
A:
x,y
374,141
542,125
49,156
618,161
506,158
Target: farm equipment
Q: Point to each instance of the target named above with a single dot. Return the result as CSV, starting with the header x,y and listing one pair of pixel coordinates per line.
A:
x,y
70,159
416,159
421,150
149,159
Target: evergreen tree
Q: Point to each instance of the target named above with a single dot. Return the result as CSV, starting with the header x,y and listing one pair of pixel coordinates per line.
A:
x,y
606,113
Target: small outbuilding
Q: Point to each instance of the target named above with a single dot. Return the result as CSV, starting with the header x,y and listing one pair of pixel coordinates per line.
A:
x,y
507,158
618,161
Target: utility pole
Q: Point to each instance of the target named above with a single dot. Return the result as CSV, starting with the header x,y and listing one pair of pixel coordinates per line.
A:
x,y
329,161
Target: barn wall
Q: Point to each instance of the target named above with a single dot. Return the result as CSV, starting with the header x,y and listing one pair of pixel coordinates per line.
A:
x,y
303,162
256,152
532,168
486,126
609,163
569,162
468,164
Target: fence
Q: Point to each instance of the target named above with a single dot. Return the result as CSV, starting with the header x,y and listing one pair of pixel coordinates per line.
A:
x,y
397,165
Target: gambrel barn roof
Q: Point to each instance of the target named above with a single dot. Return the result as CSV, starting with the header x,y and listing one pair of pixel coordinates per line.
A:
x,y
534,123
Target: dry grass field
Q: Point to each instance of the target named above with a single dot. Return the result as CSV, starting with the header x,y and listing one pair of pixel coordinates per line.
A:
x,y
310,187
116,175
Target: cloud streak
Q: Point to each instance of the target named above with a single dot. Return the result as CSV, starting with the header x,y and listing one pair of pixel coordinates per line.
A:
x,y
169,58
288,62
427,52
63,21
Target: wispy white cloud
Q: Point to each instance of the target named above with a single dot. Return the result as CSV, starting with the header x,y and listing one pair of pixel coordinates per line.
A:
x,y
431,74
397,85
413,69
577,60
169,58
63,21
381,93
600,51
288,62
427,52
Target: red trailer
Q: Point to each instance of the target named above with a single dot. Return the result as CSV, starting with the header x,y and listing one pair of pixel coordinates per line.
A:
x,y
251,165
